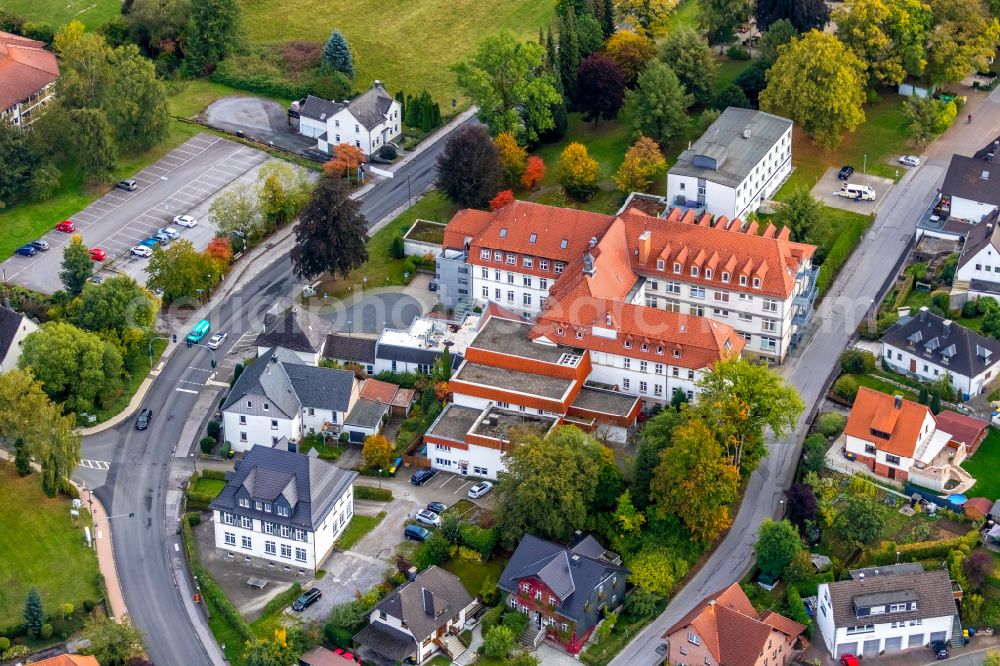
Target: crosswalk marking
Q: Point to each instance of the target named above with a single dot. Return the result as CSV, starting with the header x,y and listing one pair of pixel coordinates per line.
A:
x,y
95,464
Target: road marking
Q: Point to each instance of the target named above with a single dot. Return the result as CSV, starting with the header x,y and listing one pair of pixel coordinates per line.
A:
x,y
95,464
184,390
446,481
184,381
462,487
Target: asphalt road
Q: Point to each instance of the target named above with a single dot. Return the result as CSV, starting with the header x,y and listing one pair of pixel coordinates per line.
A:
x,y
837,317
137,479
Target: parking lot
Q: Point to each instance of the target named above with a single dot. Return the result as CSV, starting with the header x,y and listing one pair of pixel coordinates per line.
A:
x,y
179,183
829,183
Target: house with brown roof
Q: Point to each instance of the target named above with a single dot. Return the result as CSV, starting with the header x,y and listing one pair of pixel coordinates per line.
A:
x,y
726,630
369,121
27,78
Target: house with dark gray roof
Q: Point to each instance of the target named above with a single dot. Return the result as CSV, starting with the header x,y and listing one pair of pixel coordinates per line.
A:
x,y
978,271
872,614
369,121
973,186
295,329
350,349
741,160
282,509
14,328
417,620
280,396
928,346
564,590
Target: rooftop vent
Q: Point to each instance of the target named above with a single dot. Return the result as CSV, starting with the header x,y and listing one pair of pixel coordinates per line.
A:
x,y
746,134
985,175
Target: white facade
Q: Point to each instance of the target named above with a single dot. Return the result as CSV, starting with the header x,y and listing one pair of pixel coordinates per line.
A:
x,y
967,209
243,431
248,541
912,364
26,111
480,461
425,644
929,443
25,328
652,381
873,638
516,291
984,265
343,127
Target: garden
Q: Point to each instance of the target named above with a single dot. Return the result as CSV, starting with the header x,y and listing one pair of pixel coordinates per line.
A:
x,y
861,368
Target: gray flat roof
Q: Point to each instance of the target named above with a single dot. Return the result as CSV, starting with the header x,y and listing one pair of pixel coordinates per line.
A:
x,y
505,420
454,422
511,380
506,336
605,402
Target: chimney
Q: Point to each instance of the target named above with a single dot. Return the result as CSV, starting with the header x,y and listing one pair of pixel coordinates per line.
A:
x,y
377,83
923,313
861,576
644,241
428,601
711,602
946,324
898,399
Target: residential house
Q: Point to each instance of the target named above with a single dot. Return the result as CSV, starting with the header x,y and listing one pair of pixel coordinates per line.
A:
x,y
369,121
28,75
741,160
929,347
899,440
351,350
978,271
68,660
283,509
417,620
889,613
973,188
279,395
14,328
726,630
399,399
367,417
320,656
296,330
564,590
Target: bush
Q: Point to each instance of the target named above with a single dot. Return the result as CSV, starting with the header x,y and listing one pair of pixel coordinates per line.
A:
x,y
211,591
922,550
469,555
489,593
194,518
46,632
797,609
214,429
491,618
814,453
499,642
517,622
214,474
226,449
479,539
640,605
4,643
436,550
841,249
969,309
737,52
388,152
830,424
337,636
207,444
857,362
846,387
942,300
372,493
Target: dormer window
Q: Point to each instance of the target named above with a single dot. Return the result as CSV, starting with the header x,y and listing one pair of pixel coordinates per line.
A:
x,y
725,277
560,330
244,503
743,280
579,335
694,271
708,273
756,283
677,268
259,506
497,255
628,344
645,346
660,264
659,349
677,353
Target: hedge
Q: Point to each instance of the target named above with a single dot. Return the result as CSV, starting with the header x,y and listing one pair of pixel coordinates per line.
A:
x,y
797,610
372,493
811,586
841,249
480,539
214,474
277,604
922,550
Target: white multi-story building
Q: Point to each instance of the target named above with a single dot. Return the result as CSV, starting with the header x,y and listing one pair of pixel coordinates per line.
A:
x,y
972,187
886,611
283,509
27,78
741,160
369,121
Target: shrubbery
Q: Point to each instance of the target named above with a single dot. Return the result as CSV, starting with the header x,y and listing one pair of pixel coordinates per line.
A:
x,y
830,424
797,609
372,493
841,249
210,589
857,361
813,453
846,387
275,73
922,550
479,539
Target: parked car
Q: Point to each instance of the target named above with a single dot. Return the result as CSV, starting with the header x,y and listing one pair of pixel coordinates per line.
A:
x,y
416,533
141,251
480,489
161,237
845,172
307,599
66,226
142,421
428,518
96,279
97,254
422,476
28,250
185,221
150,242
437,507
433,285
909,160
216,341
128,184
40,245
169,232
848,660
940,649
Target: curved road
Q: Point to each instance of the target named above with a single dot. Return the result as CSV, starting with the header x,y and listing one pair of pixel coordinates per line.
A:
x,y
147,547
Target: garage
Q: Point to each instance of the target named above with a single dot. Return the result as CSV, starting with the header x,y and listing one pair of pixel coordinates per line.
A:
x,y
894,644
939,636
847,648
871,647
916,640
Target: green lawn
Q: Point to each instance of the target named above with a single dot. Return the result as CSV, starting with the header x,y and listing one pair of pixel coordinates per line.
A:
x,y
472,574
211,487
358,528
686,15
879,384
407,44
919,299
985,467
91,13
728,71
42,548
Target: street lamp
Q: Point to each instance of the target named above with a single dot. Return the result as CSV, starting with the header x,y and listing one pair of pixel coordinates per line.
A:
x,y
380,478
865,167
897,556
151,348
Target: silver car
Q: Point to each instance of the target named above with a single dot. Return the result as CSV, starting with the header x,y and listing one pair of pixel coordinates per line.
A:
x,y
428,518
909,160
480,489
169,232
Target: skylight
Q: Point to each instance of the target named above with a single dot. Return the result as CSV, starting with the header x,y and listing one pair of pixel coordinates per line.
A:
x,y
563,243
532,238
503,233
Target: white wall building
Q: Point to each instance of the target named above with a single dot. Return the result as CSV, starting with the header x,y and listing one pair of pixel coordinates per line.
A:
x,y
283,509
741,160
369,121
885,612
973,187
14,328
28,73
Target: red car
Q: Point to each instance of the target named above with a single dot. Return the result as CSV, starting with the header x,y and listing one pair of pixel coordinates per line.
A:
x,y
848,660
97,254
66,226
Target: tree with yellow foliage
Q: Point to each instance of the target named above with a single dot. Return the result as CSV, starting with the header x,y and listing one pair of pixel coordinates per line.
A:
x,y
578,171
631,52
377,452
513,158
642,165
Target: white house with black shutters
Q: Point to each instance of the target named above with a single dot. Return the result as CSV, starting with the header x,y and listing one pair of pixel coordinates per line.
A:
x,y
886,610
283,509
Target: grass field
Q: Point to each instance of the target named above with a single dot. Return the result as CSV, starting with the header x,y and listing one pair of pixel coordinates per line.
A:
x,y
91,13
358,528
472,574
985,467
404,43
209,486
42,548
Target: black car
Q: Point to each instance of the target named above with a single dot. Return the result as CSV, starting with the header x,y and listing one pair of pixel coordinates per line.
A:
x,y
142,421
422,476
845,172
940,649
437,507
308,598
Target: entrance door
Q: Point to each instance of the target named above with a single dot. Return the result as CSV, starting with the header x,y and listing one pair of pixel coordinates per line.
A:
x,y
538,619
913,365
892,472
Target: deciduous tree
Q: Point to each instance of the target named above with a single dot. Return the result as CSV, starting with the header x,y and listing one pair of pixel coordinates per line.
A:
x,y
275,652
780,33
800,505
964,39
77,266
118,305
977,567
469,170
656,570
337,54
631,51
600,88
889,35
820,84
805,15
180,271
237,211
777,544
648,15
331,234
731,95
513,158
377,452
800,213
658,106
578,171
213,33
499,642
158,26
95,143
345,163
503,198
642,165
927,118
687,53
113,643
861,521
284,190
628,519
720,18
220,251
506,82
653,438
136,101
534,171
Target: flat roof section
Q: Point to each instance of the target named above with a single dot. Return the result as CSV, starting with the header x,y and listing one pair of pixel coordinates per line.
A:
x,y
505,336
454,422
498,422
605,402
552,388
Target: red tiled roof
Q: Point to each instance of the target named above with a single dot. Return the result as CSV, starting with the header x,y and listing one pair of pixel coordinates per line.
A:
x,y
25,68
378,391
403,397
963,429
874,410
790,628
466,223
68,660
977,508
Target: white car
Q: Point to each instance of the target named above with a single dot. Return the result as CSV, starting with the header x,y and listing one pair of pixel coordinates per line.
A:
x,y
216,341
185,221
141,251
480,489
909,160
169,232
428,518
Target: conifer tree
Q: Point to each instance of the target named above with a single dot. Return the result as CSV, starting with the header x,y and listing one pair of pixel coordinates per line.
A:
x,y
337,54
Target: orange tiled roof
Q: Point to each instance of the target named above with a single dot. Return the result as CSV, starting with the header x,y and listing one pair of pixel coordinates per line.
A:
x,y
25,68
874,410
963,429
722,245
466,223
68,660
403,397
783,624
378,391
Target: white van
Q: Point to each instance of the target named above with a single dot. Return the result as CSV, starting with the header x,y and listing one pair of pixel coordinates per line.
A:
x,y
856,192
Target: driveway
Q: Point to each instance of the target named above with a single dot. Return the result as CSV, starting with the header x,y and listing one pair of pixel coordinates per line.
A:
x,y
260,119
829,183
373,313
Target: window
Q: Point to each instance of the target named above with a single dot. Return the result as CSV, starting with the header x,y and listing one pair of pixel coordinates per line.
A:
x,y
246,542
480,471
259,506
677,353
497,255
626,383
769,324
891,459
443,462
246,522
895,608
645,346
532,238
579,335
628,343
543,283
357,129
538,595
677,268
659,349
693,639
484,254
510,296
486,292
720,312
565,627
510,278
658,369
722,296
557,268
228,519
511,259
708,273
274,424
861,629
243,437
527,281
690,374
660,264
496,295
725,276
743,316
643,366
658,390
628,363
543,264
485,273
671,305
300,535
756,283
230,539
283,511
673,287
683,649
768,344
268,527
694,271
526,587
528,261
300,554
270,548
770,305
652,285
743,280
697,310
643,387
676,372
245,503
286,550
243,419
697,292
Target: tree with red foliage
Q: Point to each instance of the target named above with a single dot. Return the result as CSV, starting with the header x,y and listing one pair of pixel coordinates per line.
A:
x,y
800,506
977,567
220,251
345,162
502,199
533,172
600,88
